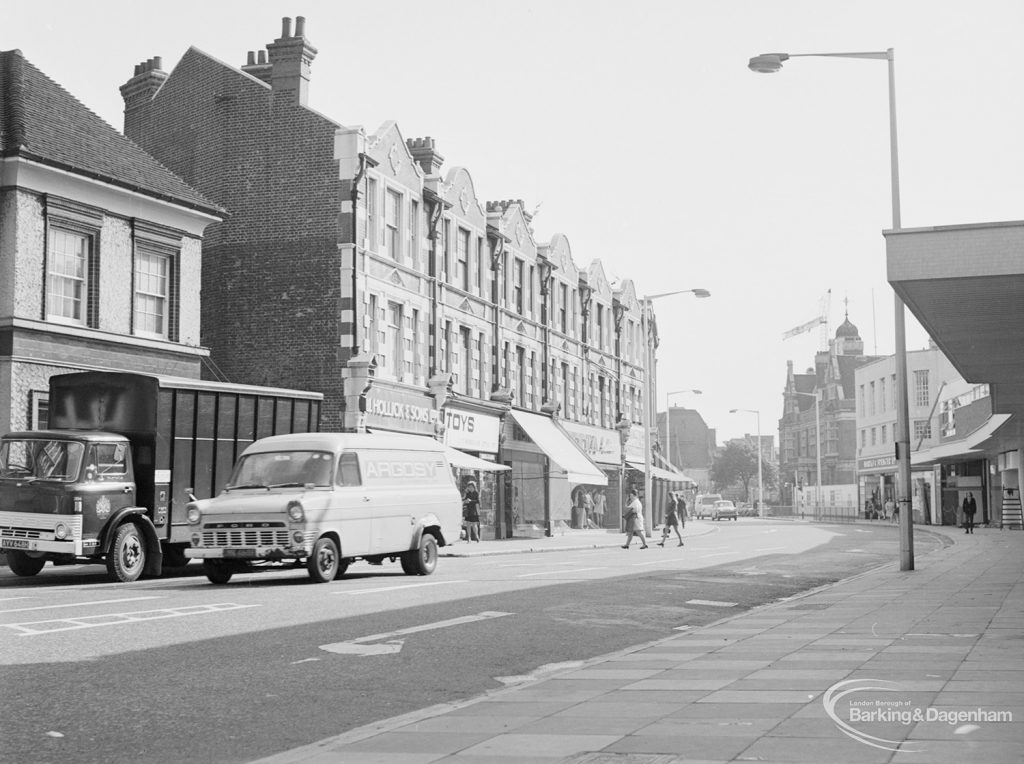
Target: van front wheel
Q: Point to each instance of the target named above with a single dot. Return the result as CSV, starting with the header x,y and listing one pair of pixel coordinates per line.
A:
x,y
423,560
324,561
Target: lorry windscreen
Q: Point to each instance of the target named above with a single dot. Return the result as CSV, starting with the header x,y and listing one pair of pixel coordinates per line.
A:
x,y
279,469
40,459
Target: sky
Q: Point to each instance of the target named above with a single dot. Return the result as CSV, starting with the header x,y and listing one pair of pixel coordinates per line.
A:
x,y
637,131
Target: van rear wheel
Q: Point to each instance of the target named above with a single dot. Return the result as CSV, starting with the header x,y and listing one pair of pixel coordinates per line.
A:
x,y
325,560
422,560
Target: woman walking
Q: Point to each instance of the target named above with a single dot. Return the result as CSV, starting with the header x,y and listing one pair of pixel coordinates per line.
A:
x,y
676,514
634,519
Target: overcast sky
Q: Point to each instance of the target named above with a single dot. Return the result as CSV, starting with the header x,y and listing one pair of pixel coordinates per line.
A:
x,y
639,133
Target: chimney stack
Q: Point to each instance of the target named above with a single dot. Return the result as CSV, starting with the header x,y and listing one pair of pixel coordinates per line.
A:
x,y
258,67
424,153
145,82
290,58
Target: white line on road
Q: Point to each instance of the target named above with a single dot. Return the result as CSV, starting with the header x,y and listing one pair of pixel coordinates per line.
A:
x,y
657,561
551,572
396,588
711,603
359,646
35,628
769,548
11,599
716,554
77,604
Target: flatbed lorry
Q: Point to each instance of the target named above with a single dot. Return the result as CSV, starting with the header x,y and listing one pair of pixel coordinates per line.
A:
x,y
127,452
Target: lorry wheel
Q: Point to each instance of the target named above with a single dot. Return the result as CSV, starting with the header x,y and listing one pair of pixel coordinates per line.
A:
x,y
217,571
323,563
23,565
127,556
421,561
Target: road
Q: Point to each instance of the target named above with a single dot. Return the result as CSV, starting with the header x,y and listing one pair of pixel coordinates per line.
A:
x,y
177,669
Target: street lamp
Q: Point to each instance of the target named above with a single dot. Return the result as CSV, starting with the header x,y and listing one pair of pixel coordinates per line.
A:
x,y
650,409
817,443
668,419
768,63
760,482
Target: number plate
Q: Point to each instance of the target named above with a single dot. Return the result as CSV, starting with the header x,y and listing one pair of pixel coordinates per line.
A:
x,y
242,552
14,544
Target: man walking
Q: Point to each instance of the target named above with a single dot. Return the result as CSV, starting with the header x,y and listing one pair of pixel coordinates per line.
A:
x,y
969,507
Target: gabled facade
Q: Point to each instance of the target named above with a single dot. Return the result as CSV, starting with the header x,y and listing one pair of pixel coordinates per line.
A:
x,y
100,249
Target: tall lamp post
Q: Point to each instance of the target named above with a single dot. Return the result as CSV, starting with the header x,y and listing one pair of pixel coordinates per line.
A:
x,y
768,63
760,482
650,408
817,443
668,419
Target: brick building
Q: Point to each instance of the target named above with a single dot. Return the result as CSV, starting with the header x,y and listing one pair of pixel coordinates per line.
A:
x,y
100,249
358,265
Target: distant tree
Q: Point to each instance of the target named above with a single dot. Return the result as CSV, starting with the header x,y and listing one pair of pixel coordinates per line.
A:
x,y
737,465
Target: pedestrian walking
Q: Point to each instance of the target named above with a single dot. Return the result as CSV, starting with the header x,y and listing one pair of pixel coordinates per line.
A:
x,y
676,514
471,512
969,507
599,505
634,519
890,510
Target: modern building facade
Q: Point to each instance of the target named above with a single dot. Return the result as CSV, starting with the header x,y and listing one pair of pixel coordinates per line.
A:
x,y
361,266
832,382
100,249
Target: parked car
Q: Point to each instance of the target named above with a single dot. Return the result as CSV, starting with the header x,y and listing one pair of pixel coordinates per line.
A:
x,y
704,504
724,510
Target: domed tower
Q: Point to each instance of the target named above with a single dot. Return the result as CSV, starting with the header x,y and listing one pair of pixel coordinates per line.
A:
x,y
848,341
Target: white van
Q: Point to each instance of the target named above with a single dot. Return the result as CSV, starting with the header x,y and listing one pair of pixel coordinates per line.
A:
x,y
705,504
330,499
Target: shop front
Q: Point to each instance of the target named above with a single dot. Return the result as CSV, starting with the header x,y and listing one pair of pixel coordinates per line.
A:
x,y
546,465
471,432
604,447
664,478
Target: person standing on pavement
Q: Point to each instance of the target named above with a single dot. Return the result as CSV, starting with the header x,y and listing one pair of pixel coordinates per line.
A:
x,y
890,509
599,505
588,510
471,512
969,507
676,509
634,519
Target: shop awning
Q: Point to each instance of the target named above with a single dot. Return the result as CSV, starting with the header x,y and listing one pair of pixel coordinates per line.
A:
x,y
965,447
663,474
560,448
465,461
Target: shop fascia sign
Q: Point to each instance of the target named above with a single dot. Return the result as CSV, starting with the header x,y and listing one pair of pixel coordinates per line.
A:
x,y
599,444
877,462
393,409
470,430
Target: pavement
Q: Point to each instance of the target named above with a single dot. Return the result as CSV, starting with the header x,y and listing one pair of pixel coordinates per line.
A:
x,y
887,666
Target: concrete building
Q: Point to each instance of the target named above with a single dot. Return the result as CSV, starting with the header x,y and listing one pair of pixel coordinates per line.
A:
x,y
100,249
832,382
688,443
359,265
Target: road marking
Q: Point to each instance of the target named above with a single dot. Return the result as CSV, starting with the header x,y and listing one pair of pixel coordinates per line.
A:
x,y
35,628
769,548
77,604
11,599
360,647
716,554
550,572
396,588
711,603
662,561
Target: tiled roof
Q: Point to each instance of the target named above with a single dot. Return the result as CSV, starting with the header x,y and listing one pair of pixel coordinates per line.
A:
x,y
39,120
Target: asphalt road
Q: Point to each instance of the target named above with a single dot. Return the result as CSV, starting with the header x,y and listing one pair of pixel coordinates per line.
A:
x,y
179,670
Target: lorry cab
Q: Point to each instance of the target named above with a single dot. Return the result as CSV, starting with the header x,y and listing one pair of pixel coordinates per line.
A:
x,y
82,486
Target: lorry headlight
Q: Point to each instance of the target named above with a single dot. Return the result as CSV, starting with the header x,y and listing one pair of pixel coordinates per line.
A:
x,y
61,532
295,512
193,515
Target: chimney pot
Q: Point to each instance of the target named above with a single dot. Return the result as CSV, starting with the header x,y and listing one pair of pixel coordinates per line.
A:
x,y
286,27
138,69
158,62
300,26
250,59
262,57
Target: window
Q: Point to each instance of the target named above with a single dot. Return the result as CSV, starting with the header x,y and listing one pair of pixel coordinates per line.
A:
x,y
530,291
371,212
393,224
881,393
517,287
563,318
922,429
152,294
600,326
414,233
863,408
534,403
462,260
446,242
374,340
67,277
874,436
871,401
417,364
520,372
467,361
348,470
481,265
885,433
921,395
602,394
863,438
892,388
393,340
